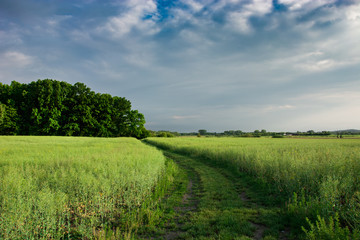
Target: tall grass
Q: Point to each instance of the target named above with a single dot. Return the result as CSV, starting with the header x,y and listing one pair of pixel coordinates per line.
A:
x,y
317,176
61,187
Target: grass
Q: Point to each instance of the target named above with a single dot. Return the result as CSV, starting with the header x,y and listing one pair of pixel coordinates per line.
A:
x,y
62,187
202,188
311,177
217,208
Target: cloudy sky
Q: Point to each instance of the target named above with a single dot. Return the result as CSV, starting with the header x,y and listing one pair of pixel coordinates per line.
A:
x,y
281,65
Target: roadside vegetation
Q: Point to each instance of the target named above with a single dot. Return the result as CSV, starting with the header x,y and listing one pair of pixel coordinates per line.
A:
x,y
316,181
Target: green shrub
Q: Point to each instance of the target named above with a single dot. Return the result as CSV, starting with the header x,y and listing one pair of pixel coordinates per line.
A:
x,y
329,230
278,136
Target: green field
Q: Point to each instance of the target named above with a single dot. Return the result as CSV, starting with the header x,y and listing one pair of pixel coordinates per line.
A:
x,y
63,187
219,188
314,178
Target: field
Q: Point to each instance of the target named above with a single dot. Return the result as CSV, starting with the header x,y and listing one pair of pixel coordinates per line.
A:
x,y
63,187
314,178
193,188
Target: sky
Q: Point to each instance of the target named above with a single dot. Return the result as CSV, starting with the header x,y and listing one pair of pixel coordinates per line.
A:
x,y
281,65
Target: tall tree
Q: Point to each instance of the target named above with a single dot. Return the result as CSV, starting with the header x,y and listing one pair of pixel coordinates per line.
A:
x,y
50,107
8,120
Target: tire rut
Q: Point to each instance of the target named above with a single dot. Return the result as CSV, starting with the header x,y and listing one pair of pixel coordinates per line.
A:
x,y
189,202
195,202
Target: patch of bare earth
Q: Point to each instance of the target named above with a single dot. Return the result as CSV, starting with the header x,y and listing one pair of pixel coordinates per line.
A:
x,y
259,228
243,197
259,232
284,234
188,204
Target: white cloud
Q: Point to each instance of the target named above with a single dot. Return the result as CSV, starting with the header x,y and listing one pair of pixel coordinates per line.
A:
x,y
259,7
221,4
133,17
195,5
57,19
197,41
15,65
322,50
274,108
181,16
239,20
326,64
15,59
307,5
353,13
338,45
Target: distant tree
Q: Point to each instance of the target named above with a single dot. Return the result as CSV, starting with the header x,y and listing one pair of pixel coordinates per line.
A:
x,y
310,132
238,132
202,132
257,133
247,135
165,134
229,132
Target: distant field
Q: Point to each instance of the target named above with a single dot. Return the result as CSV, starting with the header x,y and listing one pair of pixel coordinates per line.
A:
x,y
314,176
326,136
62,187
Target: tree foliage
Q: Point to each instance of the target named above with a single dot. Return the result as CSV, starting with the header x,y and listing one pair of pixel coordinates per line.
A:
x,y
50,107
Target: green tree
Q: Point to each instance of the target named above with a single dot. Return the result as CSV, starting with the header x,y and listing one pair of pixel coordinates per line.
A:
x,y
78,119
202,132
135,124
310,132
2,113
8,120
50,107
46,112
119,115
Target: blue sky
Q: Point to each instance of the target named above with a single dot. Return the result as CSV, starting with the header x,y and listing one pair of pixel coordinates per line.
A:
x,y
282,65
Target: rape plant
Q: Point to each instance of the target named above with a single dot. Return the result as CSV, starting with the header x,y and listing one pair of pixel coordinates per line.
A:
x,y
316,176
64,187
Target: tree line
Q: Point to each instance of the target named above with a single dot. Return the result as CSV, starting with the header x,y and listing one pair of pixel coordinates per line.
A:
x,y
51,107
239,133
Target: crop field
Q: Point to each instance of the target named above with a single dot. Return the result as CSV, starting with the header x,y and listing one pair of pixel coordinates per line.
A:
x,y
318,179
188,188
66,188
